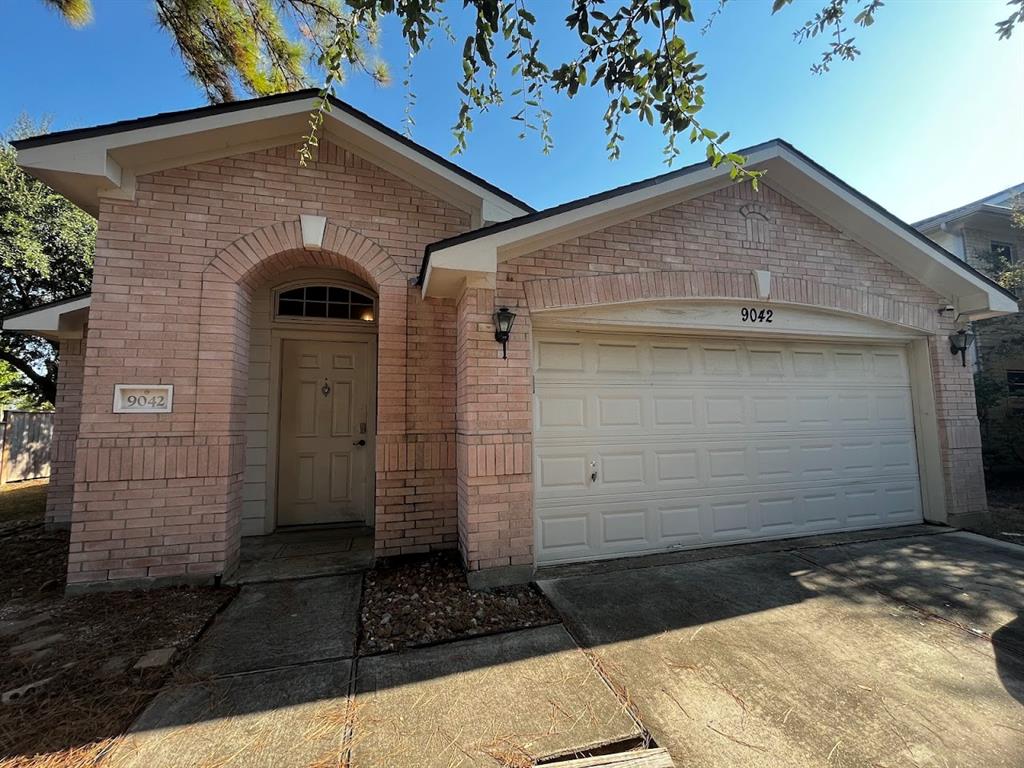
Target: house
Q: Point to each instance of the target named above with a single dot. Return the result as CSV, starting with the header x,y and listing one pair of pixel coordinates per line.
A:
x,y
691,362
982,233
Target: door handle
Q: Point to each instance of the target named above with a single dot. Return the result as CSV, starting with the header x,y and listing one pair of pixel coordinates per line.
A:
x,y
593,474
359,443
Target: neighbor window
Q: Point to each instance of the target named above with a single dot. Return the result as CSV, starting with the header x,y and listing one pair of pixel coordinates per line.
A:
x,y
1015,382
1003,250
327,302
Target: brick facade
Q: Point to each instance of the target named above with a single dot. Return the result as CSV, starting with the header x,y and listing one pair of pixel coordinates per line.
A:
x,y
176,269
160,496
67,414
704,248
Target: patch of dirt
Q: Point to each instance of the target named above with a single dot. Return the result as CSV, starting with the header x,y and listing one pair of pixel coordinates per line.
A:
x,y
1006,503
78,651
427,600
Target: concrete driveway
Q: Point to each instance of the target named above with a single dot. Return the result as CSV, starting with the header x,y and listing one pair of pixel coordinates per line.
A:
x,y
906,651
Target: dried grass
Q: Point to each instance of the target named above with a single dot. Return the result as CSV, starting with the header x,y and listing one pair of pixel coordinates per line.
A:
x,y
90,701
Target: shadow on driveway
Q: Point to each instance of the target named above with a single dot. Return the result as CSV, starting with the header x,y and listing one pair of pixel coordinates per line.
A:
x,y
844,654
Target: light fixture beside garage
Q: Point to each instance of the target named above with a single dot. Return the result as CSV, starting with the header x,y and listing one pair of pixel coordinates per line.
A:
x,y
959,342
503,319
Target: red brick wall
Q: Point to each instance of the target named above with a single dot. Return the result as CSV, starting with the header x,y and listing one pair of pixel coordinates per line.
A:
x,y
705,247
160,496
67,413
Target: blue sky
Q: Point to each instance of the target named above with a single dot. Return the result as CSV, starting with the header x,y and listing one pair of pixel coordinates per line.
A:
x,y
930,117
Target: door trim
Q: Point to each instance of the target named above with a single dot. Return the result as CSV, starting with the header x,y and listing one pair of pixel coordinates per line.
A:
x,y
278,335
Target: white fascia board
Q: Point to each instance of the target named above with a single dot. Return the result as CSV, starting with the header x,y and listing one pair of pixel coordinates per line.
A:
x,y
606,213
484,253
921,259
496,205
59,320
448,272
83,169
793,177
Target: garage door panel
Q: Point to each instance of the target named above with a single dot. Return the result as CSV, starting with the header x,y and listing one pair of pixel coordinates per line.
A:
x,y
625,527
673,410
565,473
617,410
699,442
731,519
611,357
564,536
670,360
618,358
679,523
781,514
560,356
664,464
712,409
607,529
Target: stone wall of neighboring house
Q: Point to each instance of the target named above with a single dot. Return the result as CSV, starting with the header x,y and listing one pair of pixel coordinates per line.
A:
x,y
705,247
160,496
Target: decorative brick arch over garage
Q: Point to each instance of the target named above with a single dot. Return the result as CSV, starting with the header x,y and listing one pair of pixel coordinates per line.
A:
x,y
571,292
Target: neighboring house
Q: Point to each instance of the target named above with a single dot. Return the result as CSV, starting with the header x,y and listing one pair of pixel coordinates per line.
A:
x,y
692,362
982,234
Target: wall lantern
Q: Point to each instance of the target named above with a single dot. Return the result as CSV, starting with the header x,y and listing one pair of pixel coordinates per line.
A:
x,y
959,342
503,319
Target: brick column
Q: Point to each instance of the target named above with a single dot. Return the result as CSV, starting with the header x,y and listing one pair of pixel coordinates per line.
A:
x,y
495,488
66,417
959,436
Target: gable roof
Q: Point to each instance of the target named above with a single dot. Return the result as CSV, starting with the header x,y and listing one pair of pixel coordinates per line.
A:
x,y
998,203
789,171
83,163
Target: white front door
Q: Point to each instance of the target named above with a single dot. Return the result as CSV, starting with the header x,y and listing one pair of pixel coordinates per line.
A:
x,y
325,455
646,443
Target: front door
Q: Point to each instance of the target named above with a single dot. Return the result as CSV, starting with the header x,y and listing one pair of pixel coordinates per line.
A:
x,y
325,455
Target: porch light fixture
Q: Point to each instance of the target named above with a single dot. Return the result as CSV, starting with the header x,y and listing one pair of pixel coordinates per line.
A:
x,y
503,319
959,342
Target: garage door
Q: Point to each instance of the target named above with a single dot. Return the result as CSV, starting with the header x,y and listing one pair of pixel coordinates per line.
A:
x,y
648,443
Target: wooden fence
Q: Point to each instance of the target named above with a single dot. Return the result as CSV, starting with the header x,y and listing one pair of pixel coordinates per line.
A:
x,y
25,445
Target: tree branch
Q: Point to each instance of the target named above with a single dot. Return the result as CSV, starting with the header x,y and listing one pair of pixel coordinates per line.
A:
x,y
47,386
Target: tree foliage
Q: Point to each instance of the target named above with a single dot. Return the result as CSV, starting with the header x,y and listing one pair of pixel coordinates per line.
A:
x,y
640,53
46,254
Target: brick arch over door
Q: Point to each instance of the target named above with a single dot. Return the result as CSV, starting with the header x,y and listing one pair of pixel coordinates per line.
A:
x,y
227,284
569,292
259,257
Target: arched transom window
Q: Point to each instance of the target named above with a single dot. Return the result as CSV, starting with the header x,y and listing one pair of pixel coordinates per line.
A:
x,y
325,302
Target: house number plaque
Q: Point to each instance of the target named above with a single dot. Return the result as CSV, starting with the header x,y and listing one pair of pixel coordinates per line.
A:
x,y
143,398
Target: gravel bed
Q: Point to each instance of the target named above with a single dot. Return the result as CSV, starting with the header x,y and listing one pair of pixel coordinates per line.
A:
x,y
428,601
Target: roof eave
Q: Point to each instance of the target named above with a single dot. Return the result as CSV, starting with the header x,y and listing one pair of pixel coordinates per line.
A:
x,y
790,172
56,320
86,164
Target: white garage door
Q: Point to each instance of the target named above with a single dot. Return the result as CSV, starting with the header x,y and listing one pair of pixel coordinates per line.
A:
x,y
648,443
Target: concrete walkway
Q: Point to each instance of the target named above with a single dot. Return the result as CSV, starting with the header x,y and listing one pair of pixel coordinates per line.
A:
x,y
304,554
273,683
